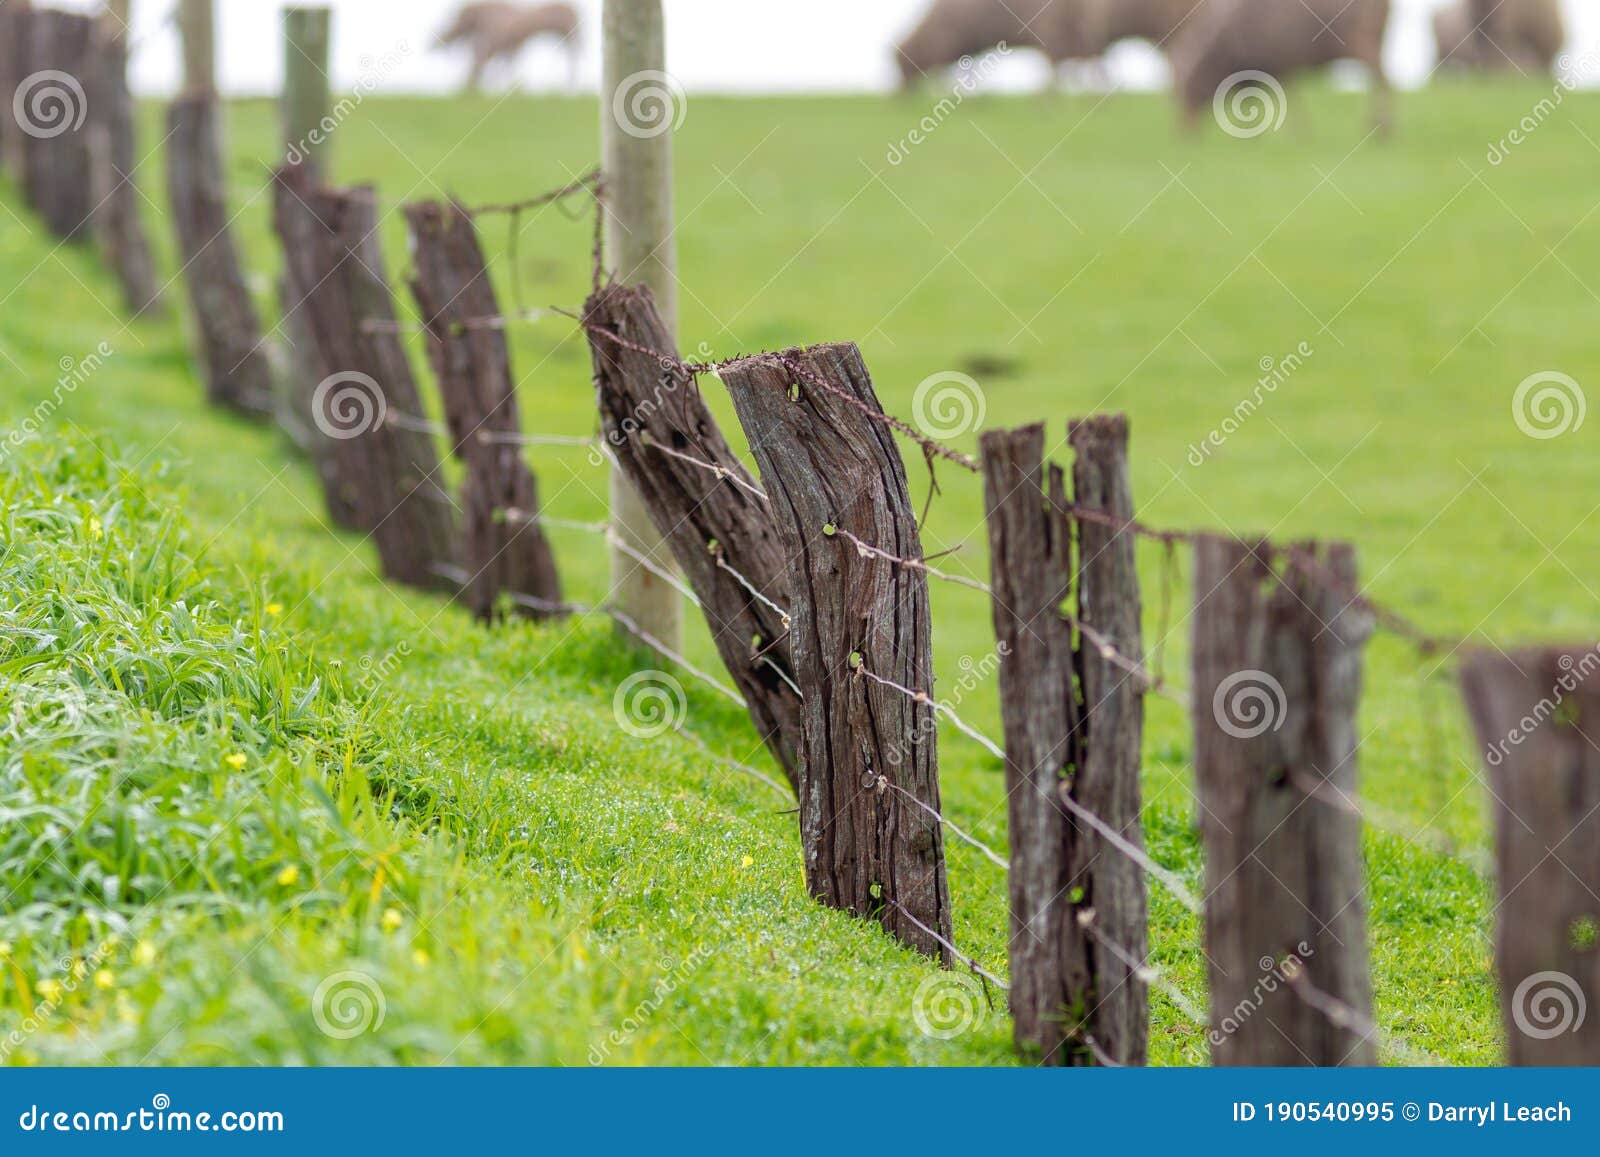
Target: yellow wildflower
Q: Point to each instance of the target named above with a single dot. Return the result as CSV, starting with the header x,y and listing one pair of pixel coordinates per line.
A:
x,y
392,919
288,877
95,529
144,954
237,760
747,861
421,959
50,989
105,978
274,609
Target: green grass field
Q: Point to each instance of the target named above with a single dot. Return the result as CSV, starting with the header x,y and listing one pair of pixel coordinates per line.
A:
x,y
252,766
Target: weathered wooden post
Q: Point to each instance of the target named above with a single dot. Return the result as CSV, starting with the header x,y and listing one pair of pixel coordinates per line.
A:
x,y
307,92
1278,639
1073,718
860,639
697,492
1537,718
52,109
113,155
504,547
388,470
637,117
16,38
232,347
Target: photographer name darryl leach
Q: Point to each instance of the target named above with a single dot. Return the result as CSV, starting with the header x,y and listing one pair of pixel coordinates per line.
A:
x,y
1505,1111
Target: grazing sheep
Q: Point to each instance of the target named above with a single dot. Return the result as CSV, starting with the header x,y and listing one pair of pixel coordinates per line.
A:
x,y
953,29
1280,40
1100,24
1491,34
500,31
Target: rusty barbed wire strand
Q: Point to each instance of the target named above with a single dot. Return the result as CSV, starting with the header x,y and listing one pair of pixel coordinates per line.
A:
x,y
989,853
722,472
721,558
977,969
923,697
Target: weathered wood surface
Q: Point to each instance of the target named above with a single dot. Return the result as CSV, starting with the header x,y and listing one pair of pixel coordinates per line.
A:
x,y
824,463
1537,718
1107,781
387,472
1030,552
646,403
16,40
232,345
504,547
118,215
52,106
1277,681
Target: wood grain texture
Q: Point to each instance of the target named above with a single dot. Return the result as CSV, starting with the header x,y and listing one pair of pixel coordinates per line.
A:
x,y
1277,681
232,345
647,403
824,462
335,272
1537,718
119,214
503,546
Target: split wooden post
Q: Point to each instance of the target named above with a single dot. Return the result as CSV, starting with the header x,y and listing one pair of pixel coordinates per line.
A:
x,y
53,117
636,158
1278,639
118,217
1073,719
307,91
388,469
1537,717
710,512
504,547
233,352
860,637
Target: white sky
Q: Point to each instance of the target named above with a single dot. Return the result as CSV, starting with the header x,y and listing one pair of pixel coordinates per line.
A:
x,y
713,45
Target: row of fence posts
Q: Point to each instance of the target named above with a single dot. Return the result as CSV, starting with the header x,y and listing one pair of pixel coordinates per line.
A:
x,y
818,605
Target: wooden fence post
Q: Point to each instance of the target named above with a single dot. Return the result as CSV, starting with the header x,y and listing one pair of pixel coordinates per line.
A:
x,y
1537,717
307,99
710,513
387,469
16,40
860,638
1073,719
119,221
197,30
636,158
232,345
53,112
504,547
1278,640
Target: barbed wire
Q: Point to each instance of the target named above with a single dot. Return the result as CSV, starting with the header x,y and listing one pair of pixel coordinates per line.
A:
x,y
977,969
721,558
720,471
989,853
939,708
1143,969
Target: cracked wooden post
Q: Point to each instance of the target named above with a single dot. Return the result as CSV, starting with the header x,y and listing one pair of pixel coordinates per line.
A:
x,y
52,107
1073,720
232,350
855,619
1278,639
648,407
1537,717
504,548
389,470
118,216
